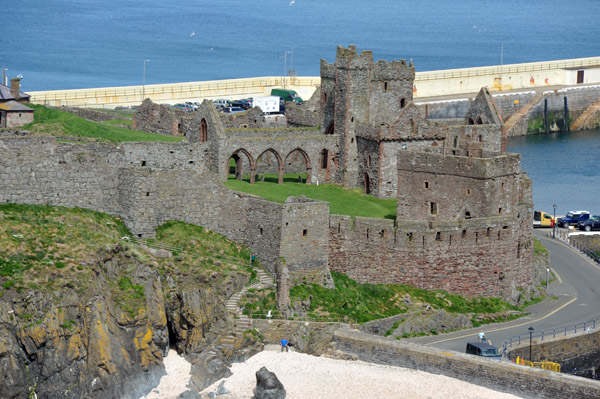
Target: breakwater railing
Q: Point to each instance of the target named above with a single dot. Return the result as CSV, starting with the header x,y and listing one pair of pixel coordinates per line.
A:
x,y
508,69
168,93
552,333
582,248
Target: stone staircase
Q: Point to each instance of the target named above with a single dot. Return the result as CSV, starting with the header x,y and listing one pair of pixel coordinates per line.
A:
x,y
520,114
241,321
583,118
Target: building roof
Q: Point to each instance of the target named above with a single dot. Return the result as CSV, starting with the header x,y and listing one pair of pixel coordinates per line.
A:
x,y
14,106
6,95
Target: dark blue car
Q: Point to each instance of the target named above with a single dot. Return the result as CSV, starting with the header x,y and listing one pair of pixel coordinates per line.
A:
x,y
572,218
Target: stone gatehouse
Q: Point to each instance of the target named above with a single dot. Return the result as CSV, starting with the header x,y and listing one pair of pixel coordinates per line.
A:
x,y
464,206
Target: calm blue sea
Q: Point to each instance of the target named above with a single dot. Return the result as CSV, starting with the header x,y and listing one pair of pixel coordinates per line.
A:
x,y
564,168
65,44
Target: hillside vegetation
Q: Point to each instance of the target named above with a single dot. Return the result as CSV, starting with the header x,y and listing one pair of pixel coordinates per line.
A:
x,y
54,122
50,249
352,302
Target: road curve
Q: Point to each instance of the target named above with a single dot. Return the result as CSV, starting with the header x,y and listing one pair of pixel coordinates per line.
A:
x,y
575,293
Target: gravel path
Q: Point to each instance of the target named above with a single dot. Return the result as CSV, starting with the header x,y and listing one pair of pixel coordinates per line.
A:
x,y
304,376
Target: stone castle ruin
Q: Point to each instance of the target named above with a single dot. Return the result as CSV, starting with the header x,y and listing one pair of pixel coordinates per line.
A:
x,y
464,205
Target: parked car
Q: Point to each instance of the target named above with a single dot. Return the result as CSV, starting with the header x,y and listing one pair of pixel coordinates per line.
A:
x,y
221,102
233,110
542,219
572,218
483,349
183,107
244,104
592,223
192,105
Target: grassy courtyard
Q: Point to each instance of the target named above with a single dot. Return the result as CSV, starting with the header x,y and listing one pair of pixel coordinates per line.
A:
x,y
342,201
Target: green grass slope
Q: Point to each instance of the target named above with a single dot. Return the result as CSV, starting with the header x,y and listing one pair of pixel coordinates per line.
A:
x,y
51,249
54,122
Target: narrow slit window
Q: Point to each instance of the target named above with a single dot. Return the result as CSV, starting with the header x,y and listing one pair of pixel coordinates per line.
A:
x,y
434,208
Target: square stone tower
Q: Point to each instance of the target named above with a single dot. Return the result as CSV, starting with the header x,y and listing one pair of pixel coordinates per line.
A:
x,y
355,89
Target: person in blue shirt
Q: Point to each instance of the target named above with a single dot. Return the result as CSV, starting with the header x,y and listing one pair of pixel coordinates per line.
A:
x,y
284,345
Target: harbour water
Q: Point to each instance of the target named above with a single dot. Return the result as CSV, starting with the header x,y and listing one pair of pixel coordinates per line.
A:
x,y
564,168
66,44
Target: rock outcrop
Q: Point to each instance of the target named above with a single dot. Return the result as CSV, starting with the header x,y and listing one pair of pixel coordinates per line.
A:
x,y
108,342
268,385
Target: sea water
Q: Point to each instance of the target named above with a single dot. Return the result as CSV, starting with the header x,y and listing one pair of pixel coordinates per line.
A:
x,y
68,44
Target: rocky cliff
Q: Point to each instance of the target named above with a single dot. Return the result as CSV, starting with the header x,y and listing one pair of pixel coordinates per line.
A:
x,y
97,325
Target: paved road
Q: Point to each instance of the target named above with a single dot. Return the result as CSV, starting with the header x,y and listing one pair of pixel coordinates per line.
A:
x,y
577,289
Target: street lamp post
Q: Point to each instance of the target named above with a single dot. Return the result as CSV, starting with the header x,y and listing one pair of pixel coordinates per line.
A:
x,y
144,81
547,276
554,223
530,329
285,53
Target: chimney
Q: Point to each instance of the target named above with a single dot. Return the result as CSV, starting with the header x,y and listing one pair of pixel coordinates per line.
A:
x,y
15,88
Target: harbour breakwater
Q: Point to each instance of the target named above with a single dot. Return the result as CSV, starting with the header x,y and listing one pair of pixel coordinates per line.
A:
x,y
464,81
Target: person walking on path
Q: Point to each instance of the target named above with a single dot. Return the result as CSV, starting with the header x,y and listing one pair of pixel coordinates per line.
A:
x,y
481,336
284,345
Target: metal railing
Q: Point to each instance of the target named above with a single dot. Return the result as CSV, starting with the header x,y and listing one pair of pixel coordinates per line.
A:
x,y
207,89
552,333
308,318
507,69
591,254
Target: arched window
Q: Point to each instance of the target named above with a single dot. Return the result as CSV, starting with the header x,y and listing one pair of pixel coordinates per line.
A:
x,y
330,129
324,161
203,131
367,184
413,127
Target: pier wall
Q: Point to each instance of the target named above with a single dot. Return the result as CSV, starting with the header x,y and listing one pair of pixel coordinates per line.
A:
x,y
427,84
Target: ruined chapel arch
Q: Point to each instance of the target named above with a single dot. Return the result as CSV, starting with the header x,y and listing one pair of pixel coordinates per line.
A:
x,y
290,158
264,164
237,167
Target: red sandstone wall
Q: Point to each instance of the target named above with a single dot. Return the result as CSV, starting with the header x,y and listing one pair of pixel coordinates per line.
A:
x,y
478,257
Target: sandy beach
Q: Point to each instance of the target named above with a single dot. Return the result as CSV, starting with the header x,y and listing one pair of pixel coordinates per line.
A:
x,y
305,376
175,381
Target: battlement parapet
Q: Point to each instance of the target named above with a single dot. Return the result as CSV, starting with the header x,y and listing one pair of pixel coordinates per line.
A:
x,y
473,257
477,168
348,58
395,70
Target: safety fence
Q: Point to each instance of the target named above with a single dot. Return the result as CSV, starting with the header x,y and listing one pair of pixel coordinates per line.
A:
x,y
544,364
584,250
508,69
552,333
312,318
172,92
